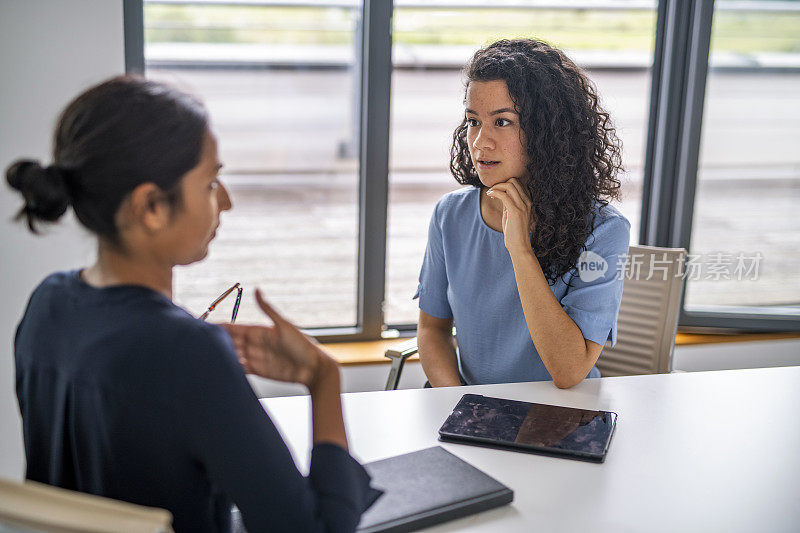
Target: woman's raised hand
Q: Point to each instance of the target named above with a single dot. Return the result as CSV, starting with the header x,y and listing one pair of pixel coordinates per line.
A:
x,y
280,352
516,214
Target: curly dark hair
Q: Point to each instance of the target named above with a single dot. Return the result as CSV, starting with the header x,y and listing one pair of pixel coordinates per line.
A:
x,y
574,155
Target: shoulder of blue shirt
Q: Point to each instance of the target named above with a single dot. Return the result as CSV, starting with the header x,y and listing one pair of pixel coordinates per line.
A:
x,y
454,202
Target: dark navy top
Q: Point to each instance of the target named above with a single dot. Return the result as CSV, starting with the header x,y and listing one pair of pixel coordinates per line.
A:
x,y
124,394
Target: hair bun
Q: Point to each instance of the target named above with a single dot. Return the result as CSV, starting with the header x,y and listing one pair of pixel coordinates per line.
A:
x,y
43,188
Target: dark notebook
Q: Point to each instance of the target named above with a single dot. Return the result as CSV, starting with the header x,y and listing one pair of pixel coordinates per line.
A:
x,y
428,487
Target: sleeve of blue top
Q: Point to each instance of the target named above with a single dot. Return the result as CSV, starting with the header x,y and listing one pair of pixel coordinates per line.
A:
x,y
235,440
593,297
432,289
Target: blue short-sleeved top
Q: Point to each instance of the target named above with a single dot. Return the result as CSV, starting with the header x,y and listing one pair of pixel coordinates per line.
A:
x,y
467,275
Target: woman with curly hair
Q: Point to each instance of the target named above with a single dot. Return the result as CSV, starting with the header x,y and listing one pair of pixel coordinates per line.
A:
x,y
525,262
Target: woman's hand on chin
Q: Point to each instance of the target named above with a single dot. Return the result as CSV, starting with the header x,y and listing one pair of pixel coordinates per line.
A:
x,y
281,351
516,214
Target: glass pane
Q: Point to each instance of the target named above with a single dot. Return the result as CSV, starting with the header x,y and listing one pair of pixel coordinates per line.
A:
x,y
614,45
746,234
281,87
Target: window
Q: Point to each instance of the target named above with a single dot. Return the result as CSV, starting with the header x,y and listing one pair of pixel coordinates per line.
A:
x,y
431,45
721,166
281,84
745,233
331,217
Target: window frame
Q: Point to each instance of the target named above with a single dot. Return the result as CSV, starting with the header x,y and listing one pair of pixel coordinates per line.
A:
x,y
677,98
680,70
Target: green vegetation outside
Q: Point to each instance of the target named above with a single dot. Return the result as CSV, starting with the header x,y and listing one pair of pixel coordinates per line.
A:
x,y
733,31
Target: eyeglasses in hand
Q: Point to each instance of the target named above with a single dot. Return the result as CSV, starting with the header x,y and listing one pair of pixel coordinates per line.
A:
x,y
222,297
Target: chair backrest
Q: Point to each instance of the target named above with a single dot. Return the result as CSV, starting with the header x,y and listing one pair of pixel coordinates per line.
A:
x,y
31,506
648,313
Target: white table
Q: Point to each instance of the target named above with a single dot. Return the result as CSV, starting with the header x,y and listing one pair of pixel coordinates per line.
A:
x,y
705,451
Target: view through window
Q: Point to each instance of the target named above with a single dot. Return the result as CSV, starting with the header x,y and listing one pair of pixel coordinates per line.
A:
x,y
745,244
281,83
614,45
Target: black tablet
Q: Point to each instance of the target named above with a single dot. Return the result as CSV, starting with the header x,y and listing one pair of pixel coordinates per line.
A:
x,y
531,427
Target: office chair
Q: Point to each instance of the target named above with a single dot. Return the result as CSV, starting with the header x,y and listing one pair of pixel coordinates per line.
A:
x,y
30,506
647,322
648,314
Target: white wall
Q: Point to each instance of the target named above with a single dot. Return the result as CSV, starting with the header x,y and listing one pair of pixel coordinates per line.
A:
x,y
732,355
357,378
50,50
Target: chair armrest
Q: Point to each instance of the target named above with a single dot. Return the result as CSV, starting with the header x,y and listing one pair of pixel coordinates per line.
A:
x,y
398,354
404,350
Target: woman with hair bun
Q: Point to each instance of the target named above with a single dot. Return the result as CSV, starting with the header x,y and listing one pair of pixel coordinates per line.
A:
x,y
524,262
125,395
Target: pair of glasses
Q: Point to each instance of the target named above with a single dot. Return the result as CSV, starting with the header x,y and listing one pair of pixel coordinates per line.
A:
x,y
222,296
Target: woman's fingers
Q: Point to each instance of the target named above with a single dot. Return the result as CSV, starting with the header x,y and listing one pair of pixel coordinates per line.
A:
x,y
504,197
242,336
523,193
500,191
247,340
279,351
236,331
237,335
513,193
516,215
261,351
268,309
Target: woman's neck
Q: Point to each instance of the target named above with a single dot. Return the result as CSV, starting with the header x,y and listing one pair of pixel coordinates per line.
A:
x,y
115,267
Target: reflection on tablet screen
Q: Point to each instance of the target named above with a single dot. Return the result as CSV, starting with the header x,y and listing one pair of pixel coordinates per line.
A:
x,y
530,424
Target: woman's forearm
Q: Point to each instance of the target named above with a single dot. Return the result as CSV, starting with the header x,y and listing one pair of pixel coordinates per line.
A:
x,y
438,357
557,338
559,341
326,405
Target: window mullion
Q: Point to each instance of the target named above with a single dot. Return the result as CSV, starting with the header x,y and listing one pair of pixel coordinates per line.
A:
x,y
133,24
376,70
